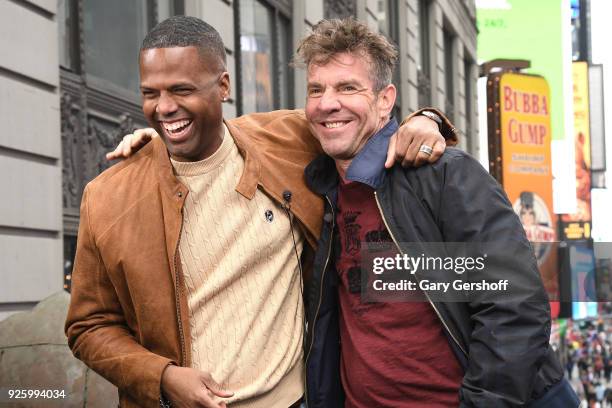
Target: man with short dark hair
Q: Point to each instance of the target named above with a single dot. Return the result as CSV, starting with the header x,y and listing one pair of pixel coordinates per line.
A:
x,y
489,351
187,284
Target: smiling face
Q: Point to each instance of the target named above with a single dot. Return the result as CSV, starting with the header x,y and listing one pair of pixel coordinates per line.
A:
x,y
182,92
342,107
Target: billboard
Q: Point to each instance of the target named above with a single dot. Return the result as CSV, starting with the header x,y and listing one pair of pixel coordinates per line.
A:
x,y
538,31
519,124
582,266
578,224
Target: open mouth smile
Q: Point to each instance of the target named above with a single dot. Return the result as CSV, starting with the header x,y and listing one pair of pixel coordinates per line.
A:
x,y
335,124
178,130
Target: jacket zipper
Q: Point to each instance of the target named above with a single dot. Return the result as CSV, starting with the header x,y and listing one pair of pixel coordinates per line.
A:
x,y
426,295
314,320
176,295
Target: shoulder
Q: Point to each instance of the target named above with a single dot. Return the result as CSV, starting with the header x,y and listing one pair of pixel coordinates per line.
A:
x,y
265,119
452,160
124,183
288,128
456,171
119,173
453,156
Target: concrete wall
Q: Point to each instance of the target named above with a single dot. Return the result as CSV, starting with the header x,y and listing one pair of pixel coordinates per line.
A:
x,y
31,250
305,15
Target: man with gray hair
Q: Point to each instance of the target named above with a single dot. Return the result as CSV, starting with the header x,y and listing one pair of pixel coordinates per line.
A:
x,y
489,351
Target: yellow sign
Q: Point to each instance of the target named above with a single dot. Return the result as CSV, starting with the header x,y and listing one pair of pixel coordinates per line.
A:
x,y
582,138
524,105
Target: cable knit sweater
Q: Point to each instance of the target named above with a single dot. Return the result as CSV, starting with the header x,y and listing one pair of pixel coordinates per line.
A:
x,y
243,283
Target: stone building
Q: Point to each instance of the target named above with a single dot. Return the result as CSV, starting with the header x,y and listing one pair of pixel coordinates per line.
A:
x,y
69,91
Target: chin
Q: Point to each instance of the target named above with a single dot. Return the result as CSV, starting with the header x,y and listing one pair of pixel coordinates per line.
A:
x,y
337,153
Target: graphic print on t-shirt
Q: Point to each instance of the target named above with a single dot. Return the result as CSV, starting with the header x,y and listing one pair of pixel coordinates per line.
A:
x,y
352,241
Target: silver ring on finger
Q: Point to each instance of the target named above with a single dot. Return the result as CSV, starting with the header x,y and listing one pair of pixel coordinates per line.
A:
x,y
426,149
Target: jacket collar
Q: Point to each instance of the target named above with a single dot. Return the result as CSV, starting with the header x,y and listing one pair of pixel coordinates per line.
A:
x,y
367,167
251,176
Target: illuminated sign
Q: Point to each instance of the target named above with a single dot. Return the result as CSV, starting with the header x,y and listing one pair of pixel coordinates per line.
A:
x,y
578,224
520,158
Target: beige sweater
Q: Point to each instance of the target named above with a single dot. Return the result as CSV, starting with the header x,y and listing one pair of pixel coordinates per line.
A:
x,y
243,284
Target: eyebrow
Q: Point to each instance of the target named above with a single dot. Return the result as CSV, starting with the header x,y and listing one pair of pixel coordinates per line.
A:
x,y
182,85
173,86
339,84
353,82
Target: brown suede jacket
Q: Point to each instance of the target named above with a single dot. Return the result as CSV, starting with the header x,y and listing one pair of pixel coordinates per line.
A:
x,y
128,316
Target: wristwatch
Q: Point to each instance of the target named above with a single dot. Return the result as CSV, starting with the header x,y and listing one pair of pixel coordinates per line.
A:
x,y
446,130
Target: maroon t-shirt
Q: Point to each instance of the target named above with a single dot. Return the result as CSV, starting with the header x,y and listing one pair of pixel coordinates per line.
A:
x,y
393,354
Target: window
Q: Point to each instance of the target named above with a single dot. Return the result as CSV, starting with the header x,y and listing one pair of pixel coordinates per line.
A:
x,y
67,26
114,30
169,8
265,81
449,75
424,63
388,24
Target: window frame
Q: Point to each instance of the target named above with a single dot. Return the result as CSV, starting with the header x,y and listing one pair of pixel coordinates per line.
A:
x,y
279,10
424,69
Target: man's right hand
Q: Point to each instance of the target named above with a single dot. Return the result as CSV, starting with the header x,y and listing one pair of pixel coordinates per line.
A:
x,y
190,388
131,143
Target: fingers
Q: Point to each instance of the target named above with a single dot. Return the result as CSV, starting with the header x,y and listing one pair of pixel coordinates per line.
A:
x,y
208,400
127,145
438,150
115,154
405,139
143,136
131,143
421,159
411,152
214,387
418,131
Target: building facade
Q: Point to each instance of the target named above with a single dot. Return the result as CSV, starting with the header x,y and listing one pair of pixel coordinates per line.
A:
x,y
69,87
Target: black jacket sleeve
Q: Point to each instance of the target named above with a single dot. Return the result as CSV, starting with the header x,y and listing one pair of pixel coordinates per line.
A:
x,y
510,330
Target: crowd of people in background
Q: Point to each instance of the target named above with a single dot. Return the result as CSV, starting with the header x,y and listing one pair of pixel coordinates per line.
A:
x,y
589,362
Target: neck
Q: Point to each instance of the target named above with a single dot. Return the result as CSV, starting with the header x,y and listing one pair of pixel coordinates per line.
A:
x,y
342,167
208,150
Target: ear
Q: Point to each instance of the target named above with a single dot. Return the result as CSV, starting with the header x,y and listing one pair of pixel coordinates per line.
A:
x,y
386,99
224,85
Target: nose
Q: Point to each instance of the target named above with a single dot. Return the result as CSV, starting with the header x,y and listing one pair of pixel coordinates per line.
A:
x,y
166,105
329,101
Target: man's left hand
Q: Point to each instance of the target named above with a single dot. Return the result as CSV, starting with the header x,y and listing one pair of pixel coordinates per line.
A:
x,y
405,144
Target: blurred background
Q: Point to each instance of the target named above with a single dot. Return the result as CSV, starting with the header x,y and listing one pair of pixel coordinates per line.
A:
x,y
527,83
